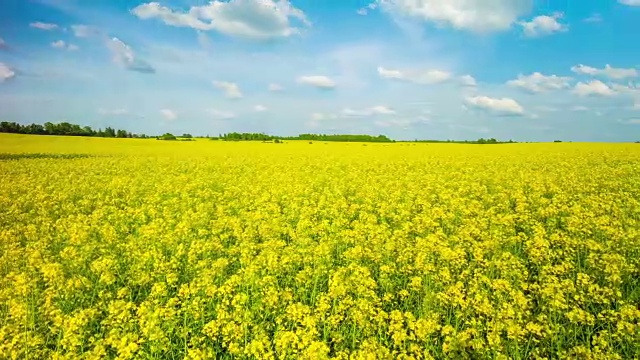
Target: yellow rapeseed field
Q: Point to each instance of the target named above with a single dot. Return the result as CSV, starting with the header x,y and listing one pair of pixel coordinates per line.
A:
x,y
145,249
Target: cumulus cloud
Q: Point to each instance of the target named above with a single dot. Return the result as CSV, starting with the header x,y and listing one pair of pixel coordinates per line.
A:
x,y
537,82
593,88
608,71
6,72
60,44
482,16
256,19
318,116
374,110
631,90
260,108
43,26
543,25
365,10
377,111
415,76
124,56
84,31
467,80
579,108
220,114
319,81
274,87
231,90
169,114
501,106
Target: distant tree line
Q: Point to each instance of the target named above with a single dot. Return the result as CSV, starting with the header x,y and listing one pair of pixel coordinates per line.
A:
x,y
344,138
66,129
235,136
479,141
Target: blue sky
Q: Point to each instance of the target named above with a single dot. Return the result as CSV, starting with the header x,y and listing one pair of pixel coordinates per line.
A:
x,y
528,70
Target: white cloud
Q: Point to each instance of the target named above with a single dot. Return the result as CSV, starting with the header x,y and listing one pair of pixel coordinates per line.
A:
x,y
537,82
3,44
474,15
124,56
365,10
84,31
6,72
630,2
416,76
382,110
467,80
221,115
505,106
608,71
60,44
231,90
319,81
594,18
543,25
630,121
579,108
275,87
318,116
112,112
169,114
630,89
260,108
374,110
593,88
585,70
350,113
257,19
43,26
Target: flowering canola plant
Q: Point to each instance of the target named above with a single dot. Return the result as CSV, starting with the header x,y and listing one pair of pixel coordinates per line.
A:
x,y
144,249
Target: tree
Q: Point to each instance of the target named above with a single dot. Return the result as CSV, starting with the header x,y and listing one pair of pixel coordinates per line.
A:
x,y
109,132
167,136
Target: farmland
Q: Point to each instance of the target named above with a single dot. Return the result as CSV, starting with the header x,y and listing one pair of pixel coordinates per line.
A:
x,y
150,249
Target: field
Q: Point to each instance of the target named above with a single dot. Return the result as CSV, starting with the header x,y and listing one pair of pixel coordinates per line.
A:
x,y
145,249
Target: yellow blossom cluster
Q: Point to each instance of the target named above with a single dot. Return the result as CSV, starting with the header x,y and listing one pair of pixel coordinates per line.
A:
x,y
144,249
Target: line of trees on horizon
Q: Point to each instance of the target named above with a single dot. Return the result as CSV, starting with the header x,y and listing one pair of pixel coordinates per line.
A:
x,y
235,136
65,129
68,129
